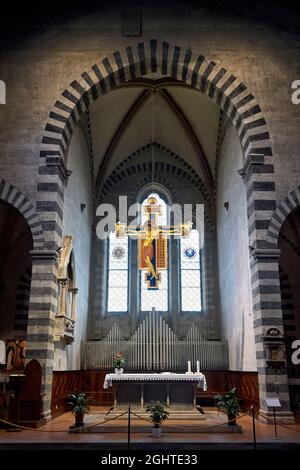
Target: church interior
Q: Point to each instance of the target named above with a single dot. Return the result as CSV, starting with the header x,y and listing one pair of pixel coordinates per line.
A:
x,y
149,223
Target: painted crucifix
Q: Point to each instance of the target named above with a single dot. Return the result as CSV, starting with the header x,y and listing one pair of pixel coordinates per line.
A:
x,y
152,241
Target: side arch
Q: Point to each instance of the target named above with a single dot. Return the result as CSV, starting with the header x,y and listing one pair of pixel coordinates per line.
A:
x,y
288,204
17,199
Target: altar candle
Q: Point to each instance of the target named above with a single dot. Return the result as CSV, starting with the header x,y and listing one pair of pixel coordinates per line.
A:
x,y
189,367
198,367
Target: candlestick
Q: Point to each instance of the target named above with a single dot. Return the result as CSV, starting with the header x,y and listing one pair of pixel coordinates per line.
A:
x,y
189,367
198,367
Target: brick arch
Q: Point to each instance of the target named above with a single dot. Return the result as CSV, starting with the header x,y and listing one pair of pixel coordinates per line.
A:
x,y
163,171
130,165
188,171
288,204
17,199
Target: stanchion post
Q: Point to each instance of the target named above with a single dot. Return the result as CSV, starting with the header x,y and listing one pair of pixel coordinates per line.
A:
x,y
275,427
128,434
253,426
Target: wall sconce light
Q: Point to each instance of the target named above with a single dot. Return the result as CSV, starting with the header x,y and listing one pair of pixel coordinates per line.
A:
x,y
226,205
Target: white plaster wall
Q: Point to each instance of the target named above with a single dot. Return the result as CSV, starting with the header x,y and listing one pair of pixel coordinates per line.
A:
x,y
60,356
79,225
234,267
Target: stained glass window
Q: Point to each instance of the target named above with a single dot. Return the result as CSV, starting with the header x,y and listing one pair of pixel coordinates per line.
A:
x,y
164,215
190,273
157,298
117,274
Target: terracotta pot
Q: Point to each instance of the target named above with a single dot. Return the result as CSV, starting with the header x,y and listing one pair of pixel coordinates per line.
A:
x,y
79,419
156,432
231,420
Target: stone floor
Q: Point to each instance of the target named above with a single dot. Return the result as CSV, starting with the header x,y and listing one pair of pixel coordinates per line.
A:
x,y
56,433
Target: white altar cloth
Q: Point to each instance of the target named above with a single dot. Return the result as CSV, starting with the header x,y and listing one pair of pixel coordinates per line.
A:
x,y
163,377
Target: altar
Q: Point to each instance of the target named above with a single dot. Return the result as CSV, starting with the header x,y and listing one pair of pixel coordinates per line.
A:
x,y
177,391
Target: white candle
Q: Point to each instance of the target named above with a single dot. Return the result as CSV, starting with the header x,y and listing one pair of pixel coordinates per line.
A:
x,y
189,367
198,367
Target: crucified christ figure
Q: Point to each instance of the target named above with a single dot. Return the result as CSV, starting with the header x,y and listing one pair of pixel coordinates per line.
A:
x,y
148,253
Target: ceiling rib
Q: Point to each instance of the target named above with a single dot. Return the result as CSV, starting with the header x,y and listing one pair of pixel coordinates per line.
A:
x,y
141,99
186,125
159,86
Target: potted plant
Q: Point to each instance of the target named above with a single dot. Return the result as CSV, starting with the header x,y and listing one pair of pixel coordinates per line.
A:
x,y
158,413
119,362
79,403
228,403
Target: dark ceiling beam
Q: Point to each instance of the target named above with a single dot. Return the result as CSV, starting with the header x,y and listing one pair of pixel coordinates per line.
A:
x,y
187,127
133,110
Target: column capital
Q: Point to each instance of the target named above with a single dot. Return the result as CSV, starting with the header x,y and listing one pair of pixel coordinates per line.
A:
x,y
252,159
74,290
258,253
59,163
44,254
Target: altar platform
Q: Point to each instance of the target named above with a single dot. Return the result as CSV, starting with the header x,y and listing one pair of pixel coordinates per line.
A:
x,y
178,422
55,435
176,390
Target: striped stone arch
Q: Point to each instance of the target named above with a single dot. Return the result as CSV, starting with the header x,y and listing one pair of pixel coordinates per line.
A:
x,y
239,104
164,177
17,199
288,204
189,173
190,68
154,56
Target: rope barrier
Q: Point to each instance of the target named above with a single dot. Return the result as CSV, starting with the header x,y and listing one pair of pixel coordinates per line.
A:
x,y
102,422
278,422
27,428
183,428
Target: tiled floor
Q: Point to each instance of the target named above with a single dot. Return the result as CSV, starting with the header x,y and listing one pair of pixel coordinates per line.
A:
x,y
57,431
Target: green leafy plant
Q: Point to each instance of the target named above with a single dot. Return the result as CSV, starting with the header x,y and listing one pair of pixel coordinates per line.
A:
x,y
79,403
119,360
157,411
228,403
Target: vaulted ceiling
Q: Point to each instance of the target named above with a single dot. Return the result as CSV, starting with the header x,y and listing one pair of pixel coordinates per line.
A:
x,y
155,109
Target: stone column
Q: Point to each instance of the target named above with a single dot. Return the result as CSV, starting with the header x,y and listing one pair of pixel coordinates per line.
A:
x,y
210,293
41,319
74,291
269,334
63,301
52,180
98,287
258,175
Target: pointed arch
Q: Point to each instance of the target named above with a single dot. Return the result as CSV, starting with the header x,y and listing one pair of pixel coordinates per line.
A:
x,y
288,204
17,199
188,68
156,56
